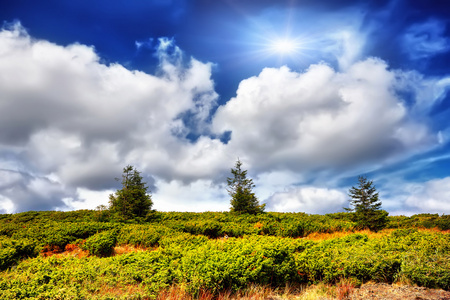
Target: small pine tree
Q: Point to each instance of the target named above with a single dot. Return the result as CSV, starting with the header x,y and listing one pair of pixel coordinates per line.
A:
x,y
243,200
367,206
132,201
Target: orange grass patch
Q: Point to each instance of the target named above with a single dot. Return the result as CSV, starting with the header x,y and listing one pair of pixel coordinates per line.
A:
x,y
252,292
258,225
316,236
124,249
50,250
74,250
120,291
178,292
344,289
433,230
69,250
71,247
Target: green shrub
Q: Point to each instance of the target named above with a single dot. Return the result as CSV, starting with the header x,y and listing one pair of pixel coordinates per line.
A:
x,y
11,251
59,234
143,235
101,244
8,257
236,263
182,241
444,222
426,270
190,254
353,256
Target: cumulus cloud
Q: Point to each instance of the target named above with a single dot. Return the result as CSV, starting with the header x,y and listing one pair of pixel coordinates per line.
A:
x,y
65,113
268,183
321,118
87,199
431,196
21,190
71,123
308,199
6,205
197,196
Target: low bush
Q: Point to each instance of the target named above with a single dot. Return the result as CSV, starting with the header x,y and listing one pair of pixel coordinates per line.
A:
x,y
101,244
191,250
11,251
236,263
143,235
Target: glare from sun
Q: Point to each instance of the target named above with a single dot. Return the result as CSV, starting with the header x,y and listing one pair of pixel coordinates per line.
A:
x,y
284,46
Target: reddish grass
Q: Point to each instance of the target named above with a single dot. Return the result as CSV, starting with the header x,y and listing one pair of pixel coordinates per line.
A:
x,y
70,247
50,250
344,289
120,291
123,249
258,225
252,292
316,236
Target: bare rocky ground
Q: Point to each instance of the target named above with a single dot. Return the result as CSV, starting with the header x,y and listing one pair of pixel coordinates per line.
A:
x,y
368,291
384,291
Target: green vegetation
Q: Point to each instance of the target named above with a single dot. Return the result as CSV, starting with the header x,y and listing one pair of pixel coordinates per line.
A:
x,y
189,250
367,206
101,244
243,200
132,201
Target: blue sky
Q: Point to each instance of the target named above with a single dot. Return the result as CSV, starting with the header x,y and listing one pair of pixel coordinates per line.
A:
x,y
308,94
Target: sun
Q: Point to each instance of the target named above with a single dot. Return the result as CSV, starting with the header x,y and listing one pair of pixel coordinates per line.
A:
x,y
284,46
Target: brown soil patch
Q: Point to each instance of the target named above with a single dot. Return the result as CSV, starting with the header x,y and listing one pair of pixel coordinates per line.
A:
x,y
384,291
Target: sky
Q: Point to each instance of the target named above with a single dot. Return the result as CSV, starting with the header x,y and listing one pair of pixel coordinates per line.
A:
x,y
309,95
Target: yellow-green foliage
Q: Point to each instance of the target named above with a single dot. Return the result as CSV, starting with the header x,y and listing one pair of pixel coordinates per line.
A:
x,y
403,254
143,235
59,233
101,244
190,250
235,263
12,250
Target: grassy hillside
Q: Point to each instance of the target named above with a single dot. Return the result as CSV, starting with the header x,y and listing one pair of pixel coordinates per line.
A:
x,y
85,255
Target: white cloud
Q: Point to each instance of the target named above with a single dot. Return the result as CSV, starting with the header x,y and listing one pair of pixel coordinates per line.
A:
x,y
70,124
266,184
427,92
30,192
6,205
347,45
431,197
321,118
64,113
307,199
87,199
426,39
197,196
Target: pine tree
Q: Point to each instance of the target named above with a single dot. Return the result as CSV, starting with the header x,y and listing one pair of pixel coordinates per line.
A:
x,y
367,206
243,200
132,201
